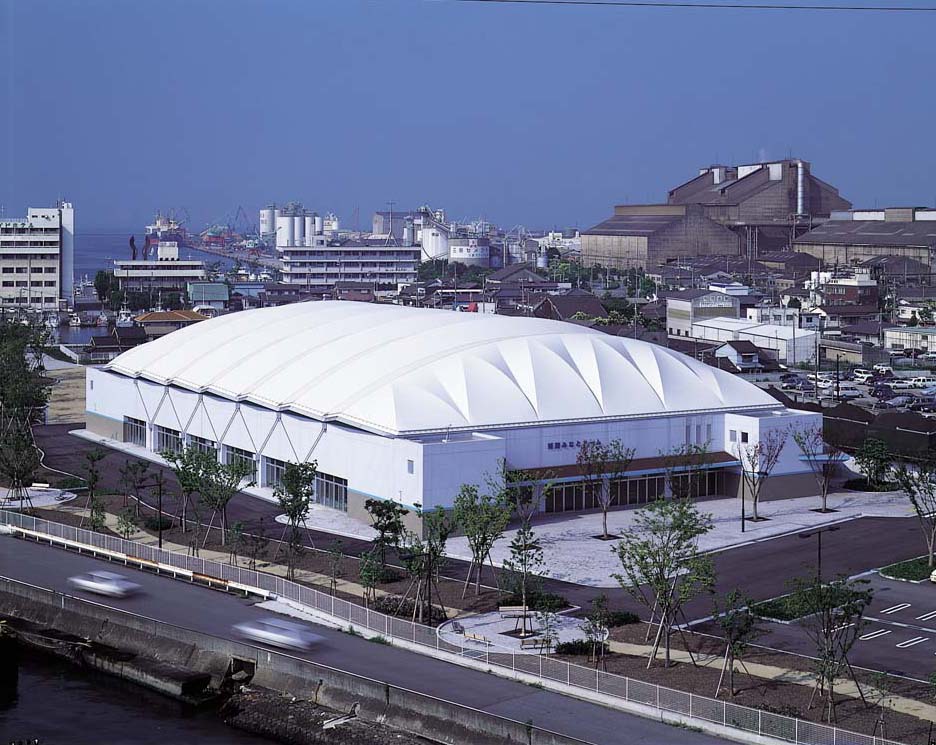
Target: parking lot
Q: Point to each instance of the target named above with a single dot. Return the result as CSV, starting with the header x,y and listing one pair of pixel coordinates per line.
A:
x,y
903,390
898,634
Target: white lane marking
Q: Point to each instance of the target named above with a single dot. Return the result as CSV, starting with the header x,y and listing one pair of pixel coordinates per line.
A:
x,y
875,634
895,608
927,616
898,624
912,642
846,626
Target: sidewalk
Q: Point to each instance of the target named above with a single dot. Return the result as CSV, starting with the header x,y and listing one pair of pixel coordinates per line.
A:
x,y
571,552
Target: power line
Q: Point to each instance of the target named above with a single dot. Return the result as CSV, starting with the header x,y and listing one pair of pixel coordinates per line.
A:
x,y
713,5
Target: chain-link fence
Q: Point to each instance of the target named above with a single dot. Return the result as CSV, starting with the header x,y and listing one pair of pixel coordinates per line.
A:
x,y
690,705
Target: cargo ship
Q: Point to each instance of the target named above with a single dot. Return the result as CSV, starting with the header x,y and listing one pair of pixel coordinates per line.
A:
x,y
166,228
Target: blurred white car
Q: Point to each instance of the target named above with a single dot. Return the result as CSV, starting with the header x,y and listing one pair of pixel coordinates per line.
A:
x,y
104,583
278,632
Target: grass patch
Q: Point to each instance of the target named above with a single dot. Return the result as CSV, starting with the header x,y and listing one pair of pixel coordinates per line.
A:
x,y
537,601
578,647
379,640
912,569
787,607
622,618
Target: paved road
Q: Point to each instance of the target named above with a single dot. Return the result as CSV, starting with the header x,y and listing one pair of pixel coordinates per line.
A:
x,y
213,612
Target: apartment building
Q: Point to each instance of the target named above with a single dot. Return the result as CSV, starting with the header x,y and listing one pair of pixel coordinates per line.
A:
x,y
37,254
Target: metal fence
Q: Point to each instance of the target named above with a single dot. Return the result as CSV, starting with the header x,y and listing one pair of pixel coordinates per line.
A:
x,y
543,668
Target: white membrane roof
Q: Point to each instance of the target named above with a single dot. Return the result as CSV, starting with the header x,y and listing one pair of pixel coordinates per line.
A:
x,y
399,370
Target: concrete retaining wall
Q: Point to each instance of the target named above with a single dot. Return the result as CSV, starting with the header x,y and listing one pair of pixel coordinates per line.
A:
x,y
379,702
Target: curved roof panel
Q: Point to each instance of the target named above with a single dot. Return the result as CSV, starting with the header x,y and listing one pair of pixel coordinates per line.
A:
x,y
406,370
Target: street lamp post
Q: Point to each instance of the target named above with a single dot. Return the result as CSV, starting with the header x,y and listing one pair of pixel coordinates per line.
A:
x,y
818,533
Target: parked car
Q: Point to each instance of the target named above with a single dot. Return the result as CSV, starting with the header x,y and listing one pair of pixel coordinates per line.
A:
x,y
825,384
863,376
901,384
278,632
896,402
847,392
923,382
882,392
790,377
929,356
884,369
104,583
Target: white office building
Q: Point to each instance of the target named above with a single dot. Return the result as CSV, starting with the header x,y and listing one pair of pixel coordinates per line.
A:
x,y
37,255
164,273
409,404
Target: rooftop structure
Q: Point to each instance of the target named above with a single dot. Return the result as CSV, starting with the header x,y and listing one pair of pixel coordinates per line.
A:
x,y
164,273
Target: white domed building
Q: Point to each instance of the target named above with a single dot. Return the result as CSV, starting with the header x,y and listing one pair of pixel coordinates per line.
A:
x,y
409,404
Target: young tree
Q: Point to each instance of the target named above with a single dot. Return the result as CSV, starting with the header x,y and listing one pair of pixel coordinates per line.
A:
x,y
370,572
220,483
335,560
524,565
919,484
133,475
235,540
423,559
599,466
684,469
19,457
126,523
832,616
662,565
95,507
740,626
258,543
188,465
823,459
387,519
483,518
874,460
547,615
758,461
295,494
595,628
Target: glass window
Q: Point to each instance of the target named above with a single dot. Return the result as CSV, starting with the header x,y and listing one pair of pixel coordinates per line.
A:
x,y
733,435
239,455
331,491
273,471
744,437
410,467
165,439
134,431
204,445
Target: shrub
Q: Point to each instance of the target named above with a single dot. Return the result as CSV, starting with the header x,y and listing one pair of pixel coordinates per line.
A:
x,y
390,604
152,522
70,483
538,600
861,484
913,569
577,647
622,618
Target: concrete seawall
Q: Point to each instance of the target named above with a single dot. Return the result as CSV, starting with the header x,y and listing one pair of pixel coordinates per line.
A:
x,y
183,652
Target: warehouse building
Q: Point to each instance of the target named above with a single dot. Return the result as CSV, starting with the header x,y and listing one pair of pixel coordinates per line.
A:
x,y
410,404
858,235
646,236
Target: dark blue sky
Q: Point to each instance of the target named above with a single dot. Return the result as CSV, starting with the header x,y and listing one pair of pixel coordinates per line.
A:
x,y
535,115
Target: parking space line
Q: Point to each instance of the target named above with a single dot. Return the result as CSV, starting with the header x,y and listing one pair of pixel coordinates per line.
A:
x,y
927,616
875,634
895,608
912,642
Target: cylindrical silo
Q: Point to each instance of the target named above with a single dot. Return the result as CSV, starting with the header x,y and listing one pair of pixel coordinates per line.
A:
x,y
298,231
318,224
267,221
284,230
309,230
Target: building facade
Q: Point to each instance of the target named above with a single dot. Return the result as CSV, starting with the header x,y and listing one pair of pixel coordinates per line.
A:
x,y
166,273
409,404
683,309
37,255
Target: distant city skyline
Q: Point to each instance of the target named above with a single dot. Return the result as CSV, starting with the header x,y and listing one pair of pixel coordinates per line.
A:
x,y
541,116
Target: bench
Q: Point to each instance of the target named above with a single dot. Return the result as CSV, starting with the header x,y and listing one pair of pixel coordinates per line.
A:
x,y
477,638
513,611
534,643
39,486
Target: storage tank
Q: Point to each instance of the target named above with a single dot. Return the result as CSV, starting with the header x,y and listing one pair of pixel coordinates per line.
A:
x,y
284,230
267,221
542,258
298,230
309,230
318,224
